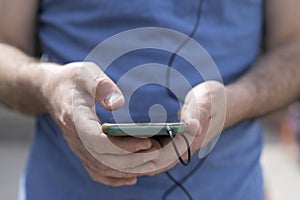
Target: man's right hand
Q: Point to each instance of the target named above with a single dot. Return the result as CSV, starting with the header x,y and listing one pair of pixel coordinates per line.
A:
x,y
70,93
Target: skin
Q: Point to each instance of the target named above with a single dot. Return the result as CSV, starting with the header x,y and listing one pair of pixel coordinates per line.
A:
x,y
33,87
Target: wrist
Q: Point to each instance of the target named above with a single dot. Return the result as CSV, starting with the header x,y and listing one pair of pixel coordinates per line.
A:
x,y
238,103
34,77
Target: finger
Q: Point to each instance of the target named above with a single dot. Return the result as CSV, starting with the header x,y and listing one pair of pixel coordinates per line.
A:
x,y
105,171
117,182
97,84
143,170
167,154
189,111
108,94
158,165
179,114
111,181
193,128
103,144
161,170
93,164
155,145
99,143
131,144
129,161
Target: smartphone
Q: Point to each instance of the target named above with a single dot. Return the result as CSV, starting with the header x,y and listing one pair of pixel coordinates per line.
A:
x,y
143,129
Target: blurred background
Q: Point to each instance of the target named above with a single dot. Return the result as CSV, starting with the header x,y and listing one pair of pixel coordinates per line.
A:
x,y
280,159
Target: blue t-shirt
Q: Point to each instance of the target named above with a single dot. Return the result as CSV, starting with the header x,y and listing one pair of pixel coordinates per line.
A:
x,y
230,31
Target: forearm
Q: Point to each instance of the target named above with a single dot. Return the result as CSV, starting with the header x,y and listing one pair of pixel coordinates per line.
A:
x,y
21,80
273,82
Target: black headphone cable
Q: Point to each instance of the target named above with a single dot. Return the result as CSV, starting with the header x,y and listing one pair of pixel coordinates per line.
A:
x,y
171,60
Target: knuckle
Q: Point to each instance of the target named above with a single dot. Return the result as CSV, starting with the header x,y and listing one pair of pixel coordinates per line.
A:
x,y
74,71
90,64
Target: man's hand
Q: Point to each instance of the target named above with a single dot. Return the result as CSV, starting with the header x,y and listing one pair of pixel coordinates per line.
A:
x,y
70,92
204,112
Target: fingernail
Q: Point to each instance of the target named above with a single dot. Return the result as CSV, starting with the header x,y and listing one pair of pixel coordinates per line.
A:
x,y
112,98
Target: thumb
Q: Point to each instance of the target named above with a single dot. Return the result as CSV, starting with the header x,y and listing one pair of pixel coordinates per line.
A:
x,y
108,95
101,87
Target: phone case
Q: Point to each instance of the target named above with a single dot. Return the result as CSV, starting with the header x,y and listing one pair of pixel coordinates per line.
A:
x,y
143,129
